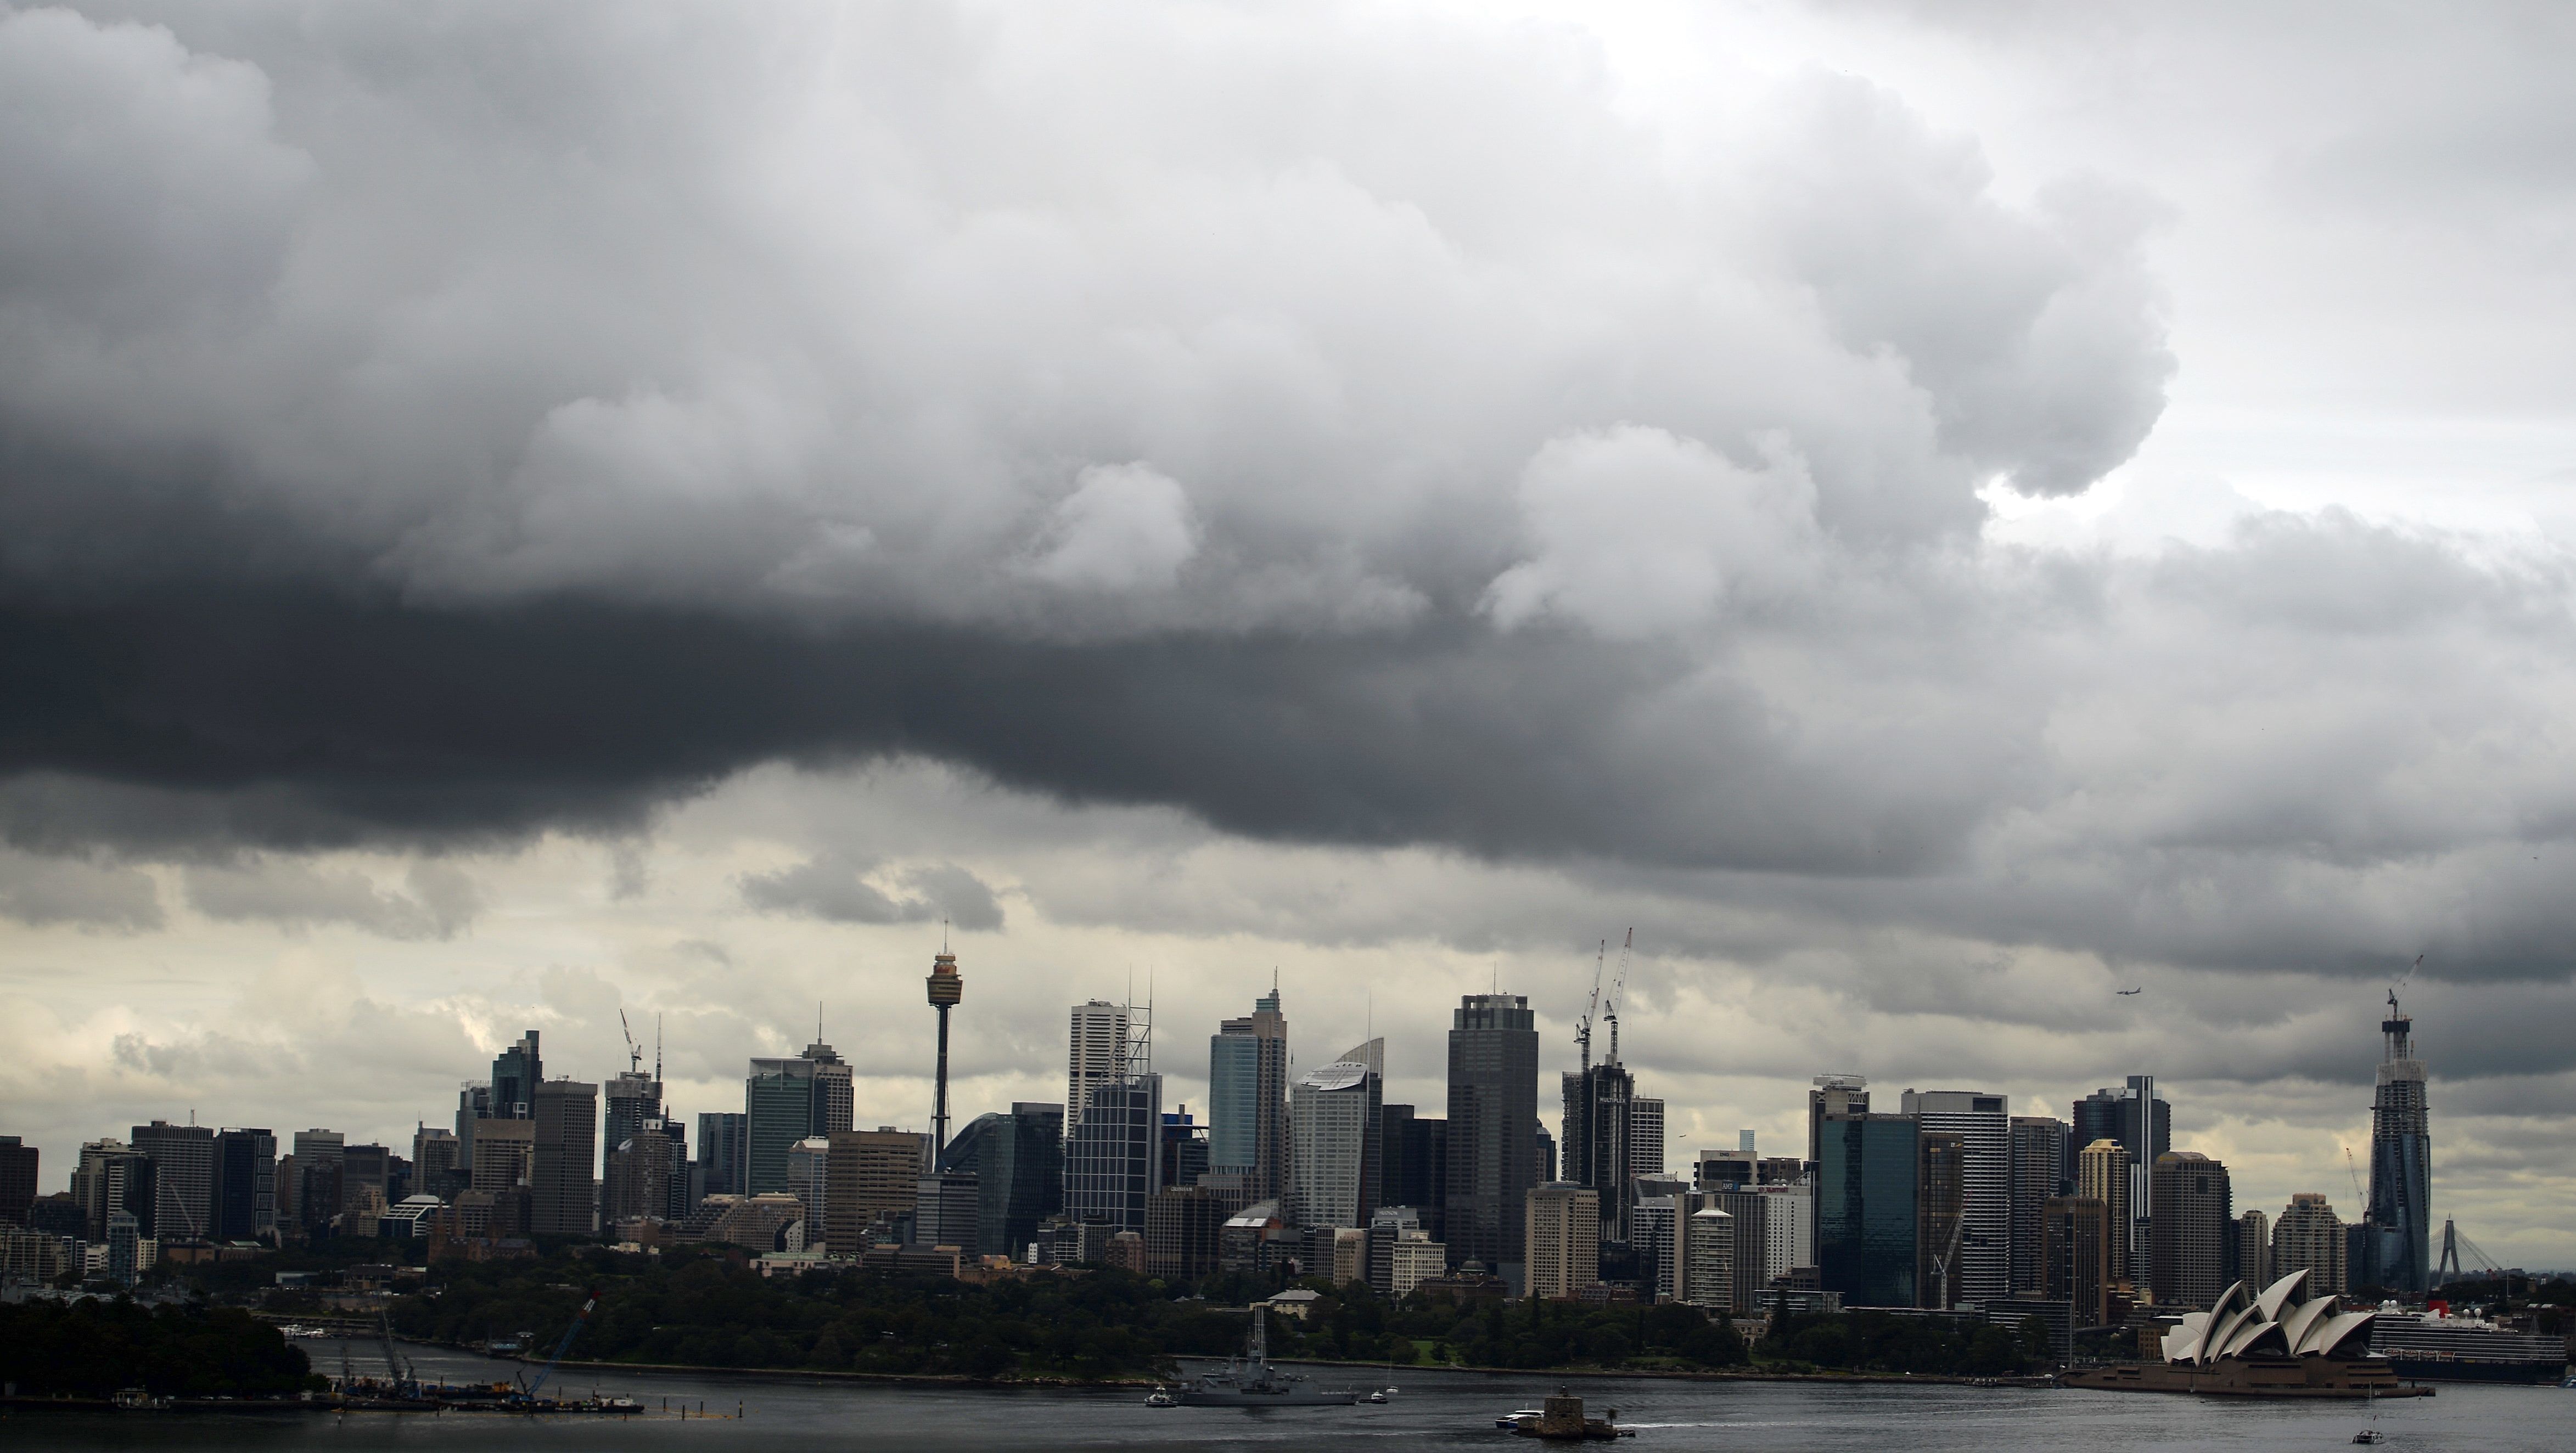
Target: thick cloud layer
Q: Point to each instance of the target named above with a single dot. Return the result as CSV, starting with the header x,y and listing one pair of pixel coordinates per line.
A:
x,y
1491,458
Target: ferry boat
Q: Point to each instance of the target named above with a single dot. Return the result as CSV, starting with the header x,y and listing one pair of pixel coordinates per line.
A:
x,y
1250,1381
2465,1349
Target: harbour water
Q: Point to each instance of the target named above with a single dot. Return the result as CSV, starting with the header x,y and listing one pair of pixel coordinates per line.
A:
x,y
1453,1410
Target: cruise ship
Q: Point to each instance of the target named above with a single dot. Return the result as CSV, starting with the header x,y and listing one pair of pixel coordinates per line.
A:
x,y
2464,1349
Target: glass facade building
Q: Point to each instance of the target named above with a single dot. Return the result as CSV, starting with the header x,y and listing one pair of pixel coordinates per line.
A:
x,y
1493,1133
1868,1186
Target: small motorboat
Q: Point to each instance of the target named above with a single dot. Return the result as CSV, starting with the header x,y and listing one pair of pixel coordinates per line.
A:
x,y
1378,1396
2370,1435
1159,1398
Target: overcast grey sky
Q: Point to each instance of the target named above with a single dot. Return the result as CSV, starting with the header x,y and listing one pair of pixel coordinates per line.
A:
x,y
1931,513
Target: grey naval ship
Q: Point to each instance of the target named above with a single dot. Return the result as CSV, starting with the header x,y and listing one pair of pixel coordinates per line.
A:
x,y
1250,1381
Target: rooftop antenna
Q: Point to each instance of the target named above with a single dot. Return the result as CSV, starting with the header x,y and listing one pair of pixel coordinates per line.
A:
x,y
657,1046
818,1021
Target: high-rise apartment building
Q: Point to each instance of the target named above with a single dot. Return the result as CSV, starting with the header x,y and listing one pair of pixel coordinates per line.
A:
x,y
2102,1174
562,1170
1748,1254
1593,1135
2042,1169
2310,1237
1984,1124
2194,1230
1563,1237
1247,1099
183,1158
1018,1164
1096,1049
2397,1235
1493,1132
1645,1136
1869,1180
1334,1144
1705,1245
2254,1249
2075,1256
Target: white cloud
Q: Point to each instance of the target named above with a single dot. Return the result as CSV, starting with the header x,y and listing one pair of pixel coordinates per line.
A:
x,y
1125,527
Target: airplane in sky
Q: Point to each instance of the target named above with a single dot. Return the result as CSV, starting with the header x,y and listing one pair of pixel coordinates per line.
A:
x,y
2124,993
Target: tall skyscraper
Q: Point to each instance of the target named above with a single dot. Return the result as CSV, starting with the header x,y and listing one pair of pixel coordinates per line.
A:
x,y
17,1180
835,1101
1109,1158
1594,1134
1334,1137
631,1099
1095,1050
2398,1224
788,1100
111,1176
1018,1164
946,988
516,1072
2075,1256
2040,1167
562,1175
868,1174
1868,1211
1940,1209
1832,1095
1493,1132
434,1162
2140,1120
1248,1099
1983,1122
2254,1249
724,1151
2102,1174
1417,1166
183,1157
2194,1230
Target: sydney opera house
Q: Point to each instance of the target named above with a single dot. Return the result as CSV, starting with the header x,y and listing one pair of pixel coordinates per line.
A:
x,y
2271,1344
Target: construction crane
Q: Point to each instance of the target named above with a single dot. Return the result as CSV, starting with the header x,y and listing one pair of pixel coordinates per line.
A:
x,y
565,1345
634,1051
2359,1200
1583,1026
1618,985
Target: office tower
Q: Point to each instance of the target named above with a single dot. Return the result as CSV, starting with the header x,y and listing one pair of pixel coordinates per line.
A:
x,y
1543,1151
2397,1226
1401,1254
2254,1250
1983,1123
636,1184
504,1154
2310,1237
1248,1099
2040,1167
1109,1157
1832,1095
1704,1270
17,1180
1184,1231
1096,1050
1645,1136
788,1100
808,1180
946,1208
365,1168
516,1073
1018,1164
1417,1165
435,1163
1941,1211
315,1186
1333,1137
1724,1170
630,1100
124,1246
183,1159
2102,1174
562,1182
2075,1256
2140,1120
1594,1134
473,1103
1868,1188
1493,1132
1563,1239
724,1149
946,988
868,1175
2194,1229
1180,1151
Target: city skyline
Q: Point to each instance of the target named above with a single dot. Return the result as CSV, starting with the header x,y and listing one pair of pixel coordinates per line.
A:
x,y
2017,546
